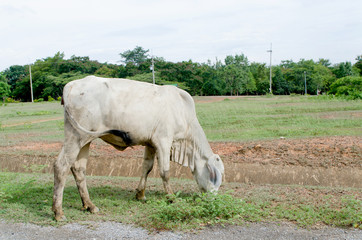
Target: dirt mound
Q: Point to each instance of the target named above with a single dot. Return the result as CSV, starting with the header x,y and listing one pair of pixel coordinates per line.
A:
x,y
312,152
325,161
338,151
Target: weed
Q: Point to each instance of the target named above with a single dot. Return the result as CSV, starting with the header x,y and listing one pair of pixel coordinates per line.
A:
x,y
350,214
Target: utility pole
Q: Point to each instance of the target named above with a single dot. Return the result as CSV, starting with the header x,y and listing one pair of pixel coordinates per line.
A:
x,y
153,71
31,84
270,66
305,82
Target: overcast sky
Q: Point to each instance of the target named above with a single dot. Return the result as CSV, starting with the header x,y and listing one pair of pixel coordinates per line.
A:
x,y
180,30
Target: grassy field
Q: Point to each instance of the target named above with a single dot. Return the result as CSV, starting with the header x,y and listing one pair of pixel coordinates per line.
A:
x,y
273,117
27,197
247,118
25,122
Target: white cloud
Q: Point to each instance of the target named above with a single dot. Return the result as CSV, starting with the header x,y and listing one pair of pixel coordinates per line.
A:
x,y
180,30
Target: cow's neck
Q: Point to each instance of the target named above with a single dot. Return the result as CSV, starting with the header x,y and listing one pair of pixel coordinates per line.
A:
x,y
200,140
192,148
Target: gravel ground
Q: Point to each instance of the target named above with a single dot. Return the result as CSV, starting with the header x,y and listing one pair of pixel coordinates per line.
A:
x,y
112,230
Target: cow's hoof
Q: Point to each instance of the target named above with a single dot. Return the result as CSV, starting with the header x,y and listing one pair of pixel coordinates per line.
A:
x,y
92,209
171,198
60,218
140,195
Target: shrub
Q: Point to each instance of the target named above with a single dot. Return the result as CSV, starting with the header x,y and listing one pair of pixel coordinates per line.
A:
x,y
347,86
10,100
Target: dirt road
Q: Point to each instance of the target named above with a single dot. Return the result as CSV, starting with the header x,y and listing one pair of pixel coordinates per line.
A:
x,y
112,230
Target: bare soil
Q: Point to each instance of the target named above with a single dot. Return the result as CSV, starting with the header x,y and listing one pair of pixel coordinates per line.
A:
x,y
339,151
312,152
325,161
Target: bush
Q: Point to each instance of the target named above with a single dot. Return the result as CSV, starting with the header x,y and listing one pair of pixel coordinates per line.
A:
x,y
347,86
39,100
10,100
50,99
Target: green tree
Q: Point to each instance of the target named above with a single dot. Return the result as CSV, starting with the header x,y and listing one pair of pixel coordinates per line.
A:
x,y
212,82
294,75
4,90
110,71
75,64
237,75
322,77
279,84
342,69
22,90
136,56
15,73
185,72
50,74
3,77
358,64
261,77
324,62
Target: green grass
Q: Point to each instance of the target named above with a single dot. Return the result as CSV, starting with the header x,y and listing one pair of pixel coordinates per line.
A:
x,y
253,118
28,198
14,113
248,118
29,122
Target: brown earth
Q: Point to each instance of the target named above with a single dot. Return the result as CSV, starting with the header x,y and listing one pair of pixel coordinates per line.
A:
x,y
312,152
326,161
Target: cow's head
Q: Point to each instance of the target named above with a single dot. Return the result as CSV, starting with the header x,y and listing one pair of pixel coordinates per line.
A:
x,y
210,176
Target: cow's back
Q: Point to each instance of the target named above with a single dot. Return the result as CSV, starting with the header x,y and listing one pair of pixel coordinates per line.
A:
x,y
101,104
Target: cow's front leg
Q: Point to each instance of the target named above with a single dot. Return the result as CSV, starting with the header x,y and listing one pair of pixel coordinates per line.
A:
x,y
78,170
163,155
147,165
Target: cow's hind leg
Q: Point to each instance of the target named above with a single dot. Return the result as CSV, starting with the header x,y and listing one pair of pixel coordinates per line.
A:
x,y
147,166
66,157
78,170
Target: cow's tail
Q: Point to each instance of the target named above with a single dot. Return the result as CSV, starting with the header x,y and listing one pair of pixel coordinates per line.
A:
x,y
96,134
77,126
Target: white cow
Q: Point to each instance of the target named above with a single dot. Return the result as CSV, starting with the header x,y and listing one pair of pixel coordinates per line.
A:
x,y
125,113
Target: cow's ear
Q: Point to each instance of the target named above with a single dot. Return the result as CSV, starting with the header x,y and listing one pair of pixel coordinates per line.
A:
x,y
215,174
218,163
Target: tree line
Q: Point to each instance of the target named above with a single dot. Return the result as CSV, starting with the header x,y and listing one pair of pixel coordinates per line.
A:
x,y
235,75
